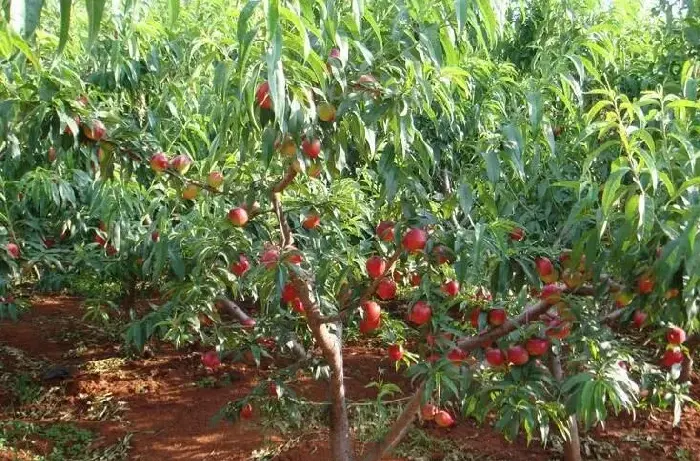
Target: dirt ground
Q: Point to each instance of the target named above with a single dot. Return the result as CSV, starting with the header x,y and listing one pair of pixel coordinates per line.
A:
x,y
160,408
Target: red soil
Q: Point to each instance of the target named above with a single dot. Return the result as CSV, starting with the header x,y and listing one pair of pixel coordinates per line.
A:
x,y
170,417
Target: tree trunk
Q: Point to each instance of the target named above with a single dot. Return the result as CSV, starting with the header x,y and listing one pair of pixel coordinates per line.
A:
x,y
330,339
341,446
330,342
687,365
686,368
572,446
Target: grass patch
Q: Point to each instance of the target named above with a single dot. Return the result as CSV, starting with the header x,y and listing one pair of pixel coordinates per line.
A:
x,y
56,442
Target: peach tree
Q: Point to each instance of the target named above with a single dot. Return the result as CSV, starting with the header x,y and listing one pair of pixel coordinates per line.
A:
x,y
504,199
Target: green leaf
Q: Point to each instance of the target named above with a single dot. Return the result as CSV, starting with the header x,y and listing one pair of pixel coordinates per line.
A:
x,y
534,105
611,187
275,77
683,103
447,382
466,198
65,25
685,186
549,136
244,17
26,50
488,17
461,11
272,16
650,164
477,250
176,263
299,26
663,176
597,107
593,155
493,166
95,9
174,10
24,16
374,26
358,7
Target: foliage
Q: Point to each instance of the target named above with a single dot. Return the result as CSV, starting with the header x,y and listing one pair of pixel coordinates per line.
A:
x,y
66,440
469,119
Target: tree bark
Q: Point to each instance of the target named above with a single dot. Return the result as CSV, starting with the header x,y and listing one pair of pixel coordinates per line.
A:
x,y
572,447
687,365
330,343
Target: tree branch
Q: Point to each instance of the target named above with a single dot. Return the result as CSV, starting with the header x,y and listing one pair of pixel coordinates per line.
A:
x,y
329,341
572,446
237,313
233,309
531,313
286,236
286,180
398,429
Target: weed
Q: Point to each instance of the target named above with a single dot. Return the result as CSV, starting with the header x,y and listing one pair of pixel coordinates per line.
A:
x,y
57,442
25,389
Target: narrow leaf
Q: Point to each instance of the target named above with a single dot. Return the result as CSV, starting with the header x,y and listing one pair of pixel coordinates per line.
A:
x,y
65,25
24,16
95,9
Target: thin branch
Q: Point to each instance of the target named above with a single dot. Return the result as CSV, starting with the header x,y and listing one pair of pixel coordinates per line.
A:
x,y
233,309
195,182
692,341
398,429
401,425
285,232
287,239
572,446
531,313
286,181
612,317
237,313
